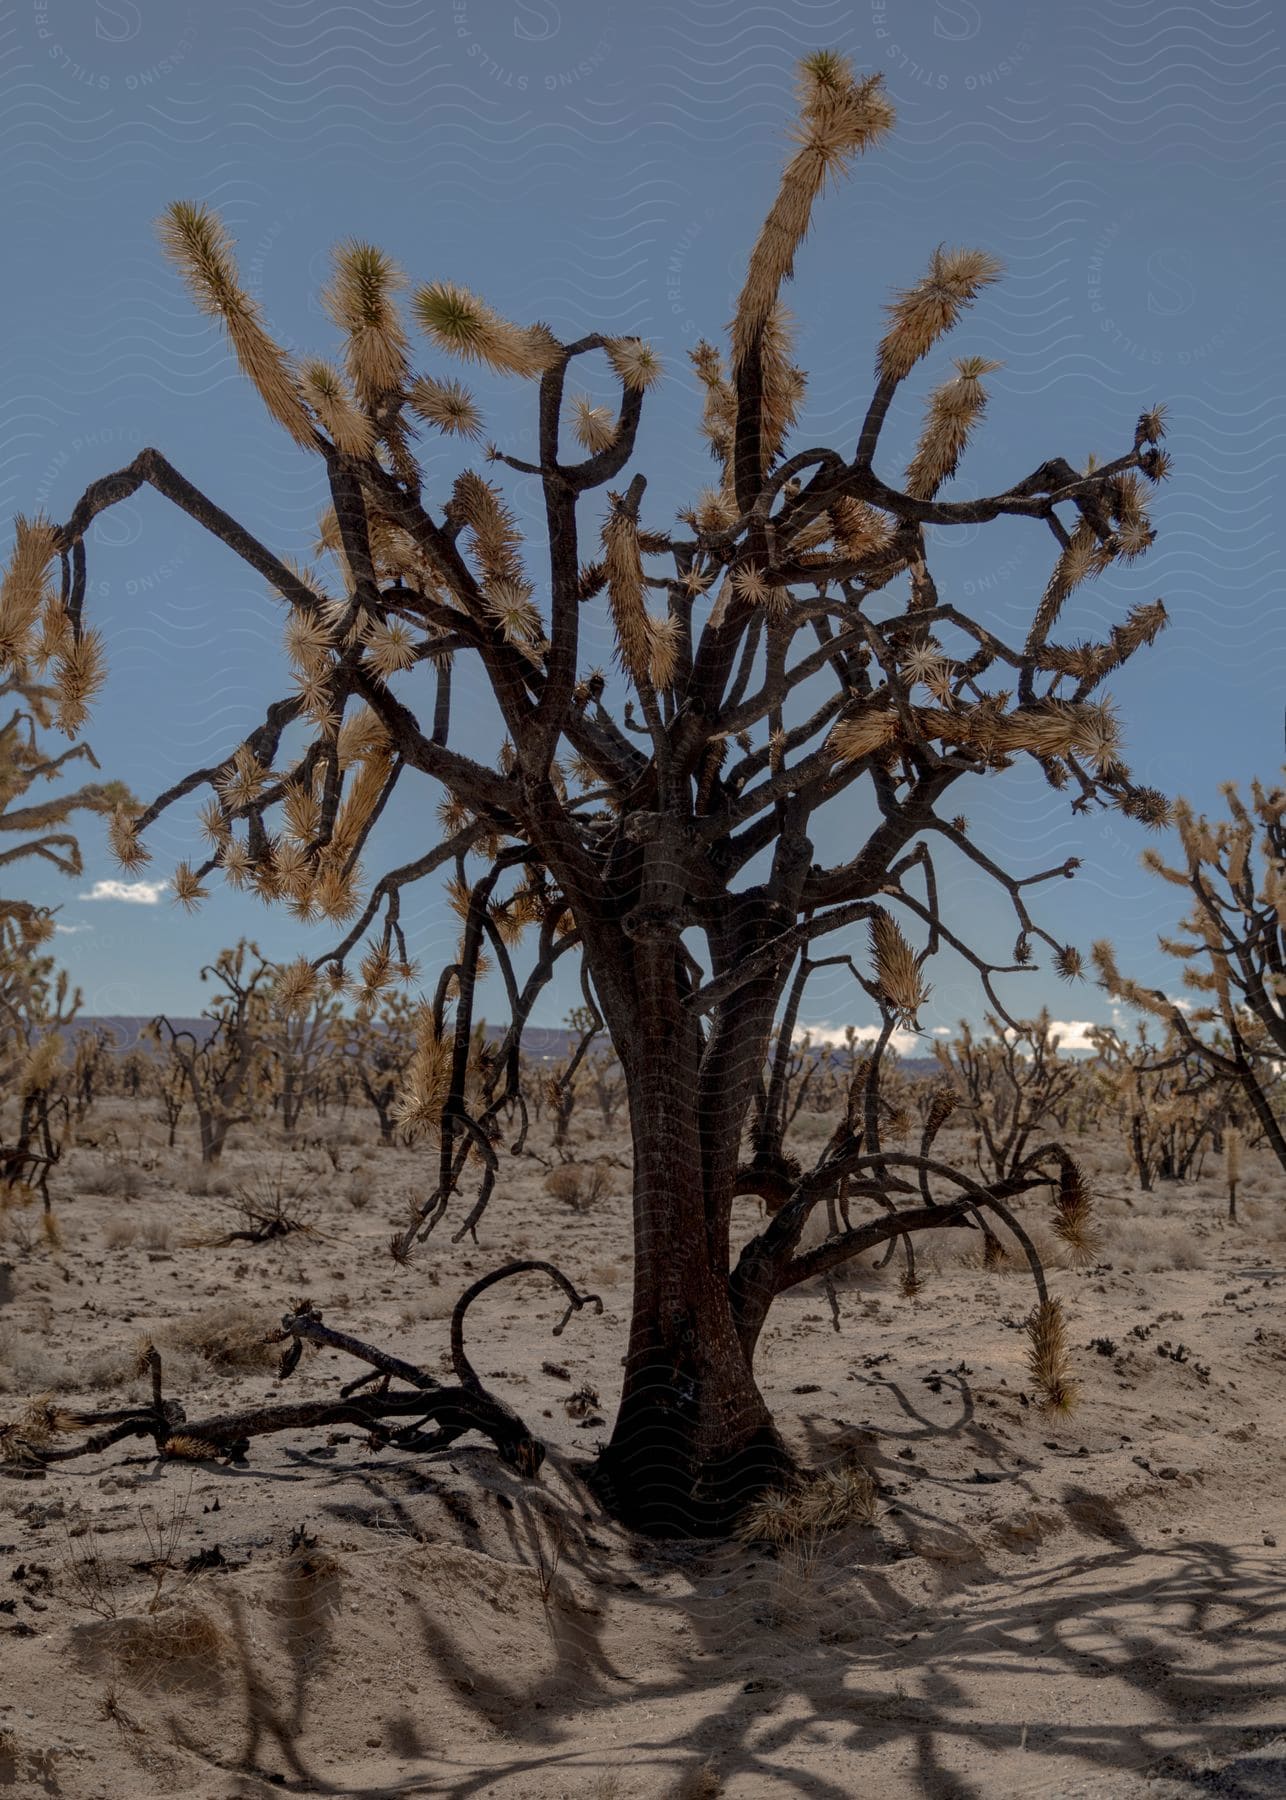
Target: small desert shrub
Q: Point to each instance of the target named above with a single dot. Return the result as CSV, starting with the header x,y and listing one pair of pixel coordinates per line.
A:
x,y
810,1508
704,1783
178,1641
219,1340
155,1234
202,1182
272,1206
93,1580
109,1370
130,1233
579,1185
25,1365
116,1179
1150,1248
361,1188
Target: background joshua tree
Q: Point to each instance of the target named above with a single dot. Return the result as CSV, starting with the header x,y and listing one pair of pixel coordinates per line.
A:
x,y
92,1056
1171,1106
1234,944
297,1037
607,1084
39,825
36,1003
171,1085
35,1000
1014,1085
222,1071
780,650
566,1080
377,1045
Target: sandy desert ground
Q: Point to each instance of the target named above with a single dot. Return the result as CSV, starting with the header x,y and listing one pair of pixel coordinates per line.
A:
x,y
1084,1606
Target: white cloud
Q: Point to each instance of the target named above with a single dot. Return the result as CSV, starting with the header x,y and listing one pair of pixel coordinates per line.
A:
x,y
906,1043
1073,1034
71,930
138,893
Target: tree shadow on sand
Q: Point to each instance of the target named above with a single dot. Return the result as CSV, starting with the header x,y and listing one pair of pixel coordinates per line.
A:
x,y
903,1652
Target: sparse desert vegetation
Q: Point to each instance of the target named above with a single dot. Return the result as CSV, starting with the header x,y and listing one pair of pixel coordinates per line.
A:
x,y
947,1513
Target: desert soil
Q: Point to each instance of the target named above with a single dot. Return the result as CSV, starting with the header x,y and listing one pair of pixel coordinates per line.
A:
x,y
1092,1604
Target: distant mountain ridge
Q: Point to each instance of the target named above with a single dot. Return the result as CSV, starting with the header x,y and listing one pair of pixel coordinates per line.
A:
x,y
543,1043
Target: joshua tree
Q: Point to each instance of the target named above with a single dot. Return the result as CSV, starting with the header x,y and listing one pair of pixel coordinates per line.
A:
x,y
35,1001
1013,1083
781,650
131,1071
172,1092
36,1005
40,825
565,1080
92,1056
607,1085
1171,1105
297,1036
377,1045
222,1069
1234,944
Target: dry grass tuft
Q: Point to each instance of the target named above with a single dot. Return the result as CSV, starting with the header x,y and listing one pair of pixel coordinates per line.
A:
x,y
1026,1530
704,1783
1158,1245
811,1508
227,1338
579,1185
176,1640
361,1188
115,1180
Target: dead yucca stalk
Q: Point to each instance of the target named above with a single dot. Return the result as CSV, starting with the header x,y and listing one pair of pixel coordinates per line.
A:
x,y
1232,1166
1047,1359
269,1208
1074,1210
22,1439
899,970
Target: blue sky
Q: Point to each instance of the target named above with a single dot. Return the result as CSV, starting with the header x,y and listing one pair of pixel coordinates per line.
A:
x,y
606,166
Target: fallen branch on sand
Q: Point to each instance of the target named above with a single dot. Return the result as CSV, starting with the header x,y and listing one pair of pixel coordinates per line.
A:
x,y
29,1446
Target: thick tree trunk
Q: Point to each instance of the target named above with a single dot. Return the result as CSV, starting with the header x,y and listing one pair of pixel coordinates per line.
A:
x,y
1263,1111
693,1440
